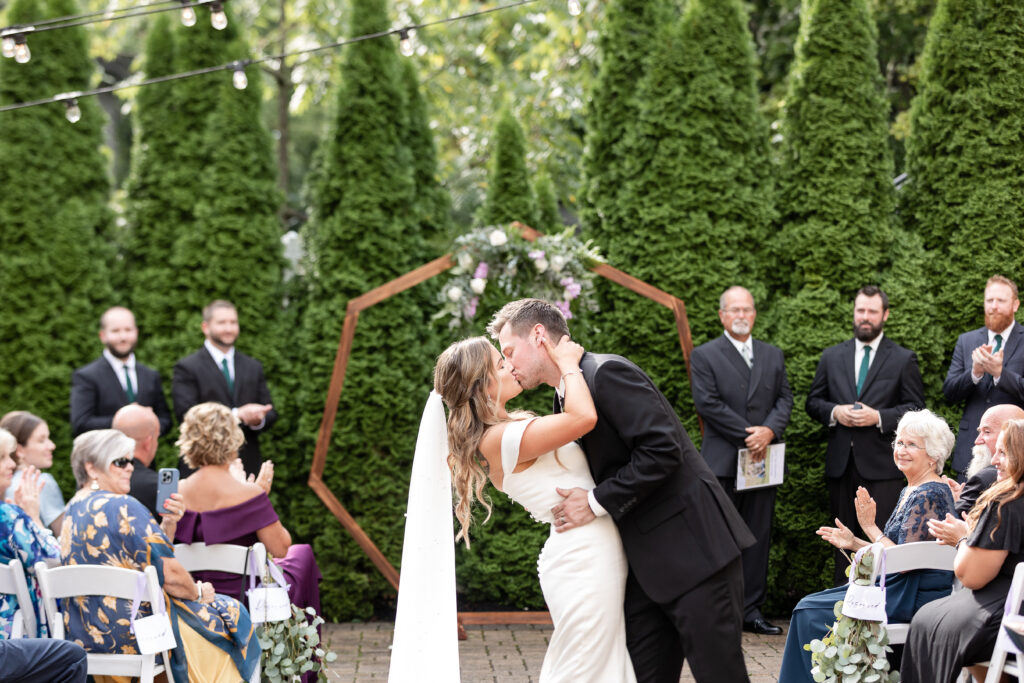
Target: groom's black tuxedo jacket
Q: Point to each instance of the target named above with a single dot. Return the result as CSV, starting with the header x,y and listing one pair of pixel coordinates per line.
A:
x,y
676,523
96,394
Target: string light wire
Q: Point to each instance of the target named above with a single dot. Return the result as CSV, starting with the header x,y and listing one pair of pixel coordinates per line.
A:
x,y
231,66
74,20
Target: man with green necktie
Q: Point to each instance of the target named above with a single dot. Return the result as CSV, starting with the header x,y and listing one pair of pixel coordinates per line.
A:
x,y
860,391
987,366
218,372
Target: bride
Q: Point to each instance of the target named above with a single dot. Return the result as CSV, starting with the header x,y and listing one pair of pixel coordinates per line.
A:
x,y
583,571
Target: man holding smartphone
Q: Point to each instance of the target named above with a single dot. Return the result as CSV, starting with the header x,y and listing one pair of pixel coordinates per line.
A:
x,y
860,391
140,424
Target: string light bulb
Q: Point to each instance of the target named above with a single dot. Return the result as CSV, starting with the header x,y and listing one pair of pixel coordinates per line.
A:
x,y
405,42
21,52
238,78
8,46
218,19
188,14
575,8
73,114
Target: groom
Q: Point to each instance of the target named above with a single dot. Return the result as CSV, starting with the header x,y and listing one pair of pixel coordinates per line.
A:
x,y
682,536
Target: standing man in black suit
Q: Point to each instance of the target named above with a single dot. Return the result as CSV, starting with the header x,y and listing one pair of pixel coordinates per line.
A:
x,y
682,536
860,391
741,392
218,372
988,365
115,379
139,424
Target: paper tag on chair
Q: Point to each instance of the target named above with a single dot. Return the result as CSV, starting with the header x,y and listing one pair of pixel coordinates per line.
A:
x,y
153,633
268,602
866,603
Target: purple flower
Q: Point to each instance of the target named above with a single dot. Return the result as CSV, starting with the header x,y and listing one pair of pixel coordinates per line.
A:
x,y
563,306
481,270
536,254
572,288
470,308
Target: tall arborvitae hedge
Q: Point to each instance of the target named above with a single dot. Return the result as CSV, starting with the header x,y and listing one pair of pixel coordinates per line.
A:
x,y
55,266
835,202
362,234
509,192
549,218
965,155
627,36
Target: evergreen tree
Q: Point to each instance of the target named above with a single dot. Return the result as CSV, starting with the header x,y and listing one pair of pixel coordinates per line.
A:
x,y
363,233
549,218
509,194
629,32
836,202
54,270
965,154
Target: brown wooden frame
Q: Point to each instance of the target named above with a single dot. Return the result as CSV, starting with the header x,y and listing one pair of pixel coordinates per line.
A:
x,y
348,330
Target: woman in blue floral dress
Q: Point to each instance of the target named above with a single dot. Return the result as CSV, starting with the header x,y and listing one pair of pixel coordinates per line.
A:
x,y
923,443
22,534
103,525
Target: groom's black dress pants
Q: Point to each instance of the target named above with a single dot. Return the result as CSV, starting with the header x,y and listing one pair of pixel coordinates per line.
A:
x,y
704,626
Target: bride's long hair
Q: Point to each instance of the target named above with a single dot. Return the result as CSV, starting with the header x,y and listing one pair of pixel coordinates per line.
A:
x,y
461,376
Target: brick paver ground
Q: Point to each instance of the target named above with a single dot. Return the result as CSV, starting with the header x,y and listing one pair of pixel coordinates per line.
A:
x,y
500,654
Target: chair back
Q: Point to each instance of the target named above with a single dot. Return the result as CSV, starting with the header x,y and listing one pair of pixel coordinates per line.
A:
x,y
998,664
912,556
221,557
13,582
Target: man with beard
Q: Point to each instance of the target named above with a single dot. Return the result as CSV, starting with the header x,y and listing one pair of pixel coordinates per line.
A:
x,y
981,473
219,373
987,367
741,392
115,379
860,391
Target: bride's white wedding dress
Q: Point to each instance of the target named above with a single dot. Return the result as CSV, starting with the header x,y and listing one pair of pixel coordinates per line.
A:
x,y
582,571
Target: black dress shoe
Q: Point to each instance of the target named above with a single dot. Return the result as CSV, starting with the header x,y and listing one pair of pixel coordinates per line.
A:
x,y
761,626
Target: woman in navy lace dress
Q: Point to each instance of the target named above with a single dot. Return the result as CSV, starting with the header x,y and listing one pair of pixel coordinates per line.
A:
x,y
923,443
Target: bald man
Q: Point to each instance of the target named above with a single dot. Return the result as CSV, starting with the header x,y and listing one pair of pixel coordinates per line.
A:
x,y
981,473
141,424
115,378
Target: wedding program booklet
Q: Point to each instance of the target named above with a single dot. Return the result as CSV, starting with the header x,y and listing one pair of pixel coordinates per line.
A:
x,y
751,474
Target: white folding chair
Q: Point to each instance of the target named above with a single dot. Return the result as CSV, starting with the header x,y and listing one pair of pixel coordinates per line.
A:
x,y
223,557
998,665
101,580
13,582
909,557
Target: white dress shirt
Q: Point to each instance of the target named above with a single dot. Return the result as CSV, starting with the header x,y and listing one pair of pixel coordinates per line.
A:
x,y
118,366
745,348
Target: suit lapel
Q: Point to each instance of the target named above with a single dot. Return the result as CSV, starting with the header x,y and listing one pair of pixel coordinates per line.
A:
x,y
848,357
114,381
1014,343
222,382
732,356
757,369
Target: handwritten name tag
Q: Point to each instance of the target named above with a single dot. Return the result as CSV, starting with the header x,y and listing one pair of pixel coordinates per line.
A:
x,y
864,602
153,634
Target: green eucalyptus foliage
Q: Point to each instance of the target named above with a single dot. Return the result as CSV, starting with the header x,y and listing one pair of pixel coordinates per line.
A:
x,y
509,192
55,264
292,647
835,235
965,154
853,649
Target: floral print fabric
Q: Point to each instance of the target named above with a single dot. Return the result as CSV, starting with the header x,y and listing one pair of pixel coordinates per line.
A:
x,y
21,539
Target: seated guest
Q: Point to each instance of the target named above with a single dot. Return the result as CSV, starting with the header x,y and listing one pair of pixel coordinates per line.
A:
x,y
222,509
980,473
22,536
141,425
960,630
35,450
108,527
923,443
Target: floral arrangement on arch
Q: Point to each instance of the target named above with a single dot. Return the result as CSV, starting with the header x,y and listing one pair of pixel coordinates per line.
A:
x,y
553,267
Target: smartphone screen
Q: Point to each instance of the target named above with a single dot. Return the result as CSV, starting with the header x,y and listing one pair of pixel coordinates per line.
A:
x,y
166,484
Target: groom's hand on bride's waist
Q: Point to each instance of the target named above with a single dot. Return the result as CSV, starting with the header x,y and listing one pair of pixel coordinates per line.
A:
x,y
573,511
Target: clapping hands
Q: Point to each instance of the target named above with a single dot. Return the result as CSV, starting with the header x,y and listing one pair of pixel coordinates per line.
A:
x,y
26,496
866,509
840,535
948,531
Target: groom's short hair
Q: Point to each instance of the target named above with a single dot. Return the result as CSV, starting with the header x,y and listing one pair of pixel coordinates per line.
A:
x,y
523,314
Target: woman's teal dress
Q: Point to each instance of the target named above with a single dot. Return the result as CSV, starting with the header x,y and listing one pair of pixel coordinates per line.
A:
x,y
904,593
21,539
116,530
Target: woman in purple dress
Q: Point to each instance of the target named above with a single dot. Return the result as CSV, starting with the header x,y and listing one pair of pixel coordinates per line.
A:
x,y
222,507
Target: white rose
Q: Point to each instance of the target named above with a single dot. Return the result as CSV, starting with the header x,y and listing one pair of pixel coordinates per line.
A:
x,y
465,260
541,264
478,284
498,238
454,293
557,263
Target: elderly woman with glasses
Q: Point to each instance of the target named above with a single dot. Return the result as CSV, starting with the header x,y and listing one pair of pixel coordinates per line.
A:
x,y
923,443
104,525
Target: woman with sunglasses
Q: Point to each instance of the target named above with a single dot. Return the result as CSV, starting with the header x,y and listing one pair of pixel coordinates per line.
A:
x,y
104,525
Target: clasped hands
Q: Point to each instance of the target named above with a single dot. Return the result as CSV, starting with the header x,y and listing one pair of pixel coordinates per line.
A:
x,y
253,414
983,360
757,442
848,416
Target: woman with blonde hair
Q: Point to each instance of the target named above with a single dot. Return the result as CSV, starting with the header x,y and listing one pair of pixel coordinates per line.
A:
x,y
582,571
958,631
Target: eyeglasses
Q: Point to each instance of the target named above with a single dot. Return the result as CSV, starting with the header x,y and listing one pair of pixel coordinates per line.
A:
x,y
121,463
735,310
909,446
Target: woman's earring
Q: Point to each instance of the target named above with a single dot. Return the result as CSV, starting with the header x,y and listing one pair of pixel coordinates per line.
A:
x,y
95,486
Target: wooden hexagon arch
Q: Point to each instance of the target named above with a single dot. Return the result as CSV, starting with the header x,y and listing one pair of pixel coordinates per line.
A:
x,y
348,330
